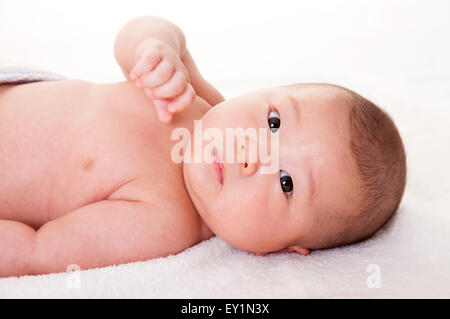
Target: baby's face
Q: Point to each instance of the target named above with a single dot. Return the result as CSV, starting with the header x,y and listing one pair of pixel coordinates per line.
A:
x,y
269,212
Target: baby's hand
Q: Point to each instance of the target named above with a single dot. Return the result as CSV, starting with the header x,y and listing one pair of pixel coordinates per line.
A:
x,y
164,78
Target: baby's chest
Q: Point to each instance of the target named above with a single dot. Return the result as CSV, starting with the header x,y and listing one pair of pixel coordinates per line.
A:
x,y
118,150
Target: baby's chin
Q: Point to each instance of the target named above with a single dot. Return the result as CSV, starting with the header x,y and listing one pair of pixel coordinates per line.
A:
x,y
242,240
195,193
253,246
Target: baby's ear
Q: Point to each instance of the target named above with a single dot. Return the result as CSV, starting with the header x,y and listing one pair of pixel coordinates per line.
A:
x,y
291,249
259,254
296,249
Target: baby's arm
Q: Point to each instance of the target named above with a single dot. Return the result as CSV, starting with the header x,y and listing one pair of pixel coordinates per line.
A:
x,y
142,28
100,234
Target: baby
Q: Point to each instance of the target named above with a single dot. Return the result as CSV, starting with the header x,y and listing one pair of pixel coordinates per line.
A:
x,y
88,174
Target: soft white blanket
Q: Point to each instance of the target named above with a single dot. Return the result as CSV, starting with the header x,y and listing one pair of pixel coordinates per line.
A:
x,y
411,254
395,55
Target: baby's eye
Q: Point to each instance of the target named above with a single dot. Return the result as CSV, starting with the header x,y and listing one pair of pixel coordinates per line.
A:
x,y
286,183
274,121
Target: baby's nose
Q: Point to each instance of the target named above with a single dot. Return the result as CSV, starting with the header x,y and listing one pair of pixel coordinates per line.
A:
x,y
248,169
249,154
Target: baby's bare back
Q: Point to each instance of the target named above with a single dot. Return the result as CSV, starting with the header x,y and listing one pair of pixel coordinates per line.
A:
x,y
67,144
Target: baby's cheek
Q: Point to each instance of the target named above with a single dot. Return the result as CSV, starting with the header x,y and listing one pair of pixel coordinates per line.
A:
x,y
254,216
243,197
246,224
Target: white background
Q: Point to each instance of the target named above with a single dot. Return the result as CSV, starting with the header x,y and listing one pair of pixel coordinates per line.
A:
x,y
374,47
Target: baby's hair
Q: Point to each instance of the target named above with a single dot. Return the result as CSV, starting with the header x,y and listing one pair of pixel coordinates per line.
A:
x,y
380,157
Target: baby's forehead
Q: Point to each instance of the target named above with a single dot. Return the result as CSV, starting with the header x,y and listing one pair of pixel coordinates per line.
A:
x,y
325,92
315,86
310,93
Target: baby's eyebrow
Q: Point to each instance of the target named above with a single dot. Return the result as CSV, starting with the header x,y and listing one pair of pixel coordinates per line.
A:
x,y
311,183
295,105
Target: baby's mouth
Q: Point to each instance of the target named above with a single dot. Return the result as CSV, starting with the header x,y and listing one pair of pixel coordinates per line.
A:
x,y
218,167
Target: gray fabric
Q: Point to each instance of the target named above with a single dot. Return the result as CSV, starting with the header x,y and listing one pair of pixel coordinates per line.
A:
x,y
21,74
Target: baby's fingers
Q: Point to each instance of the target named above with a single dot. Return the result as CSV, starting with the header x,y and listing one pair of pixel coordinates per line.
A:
x,y
175,86
159,75
161,107
146,63
183,101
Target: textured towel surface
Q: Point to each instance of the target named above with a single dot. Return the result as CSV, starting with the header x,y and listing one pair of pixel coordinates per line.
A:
x,y
394,54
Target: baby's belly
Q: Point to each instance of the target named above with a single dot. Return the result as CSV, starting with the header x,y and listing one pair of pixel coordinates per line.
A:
x,y
63,145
